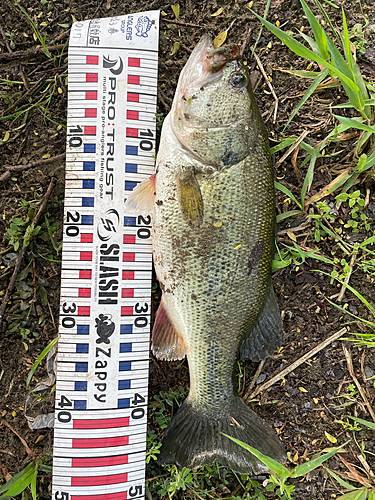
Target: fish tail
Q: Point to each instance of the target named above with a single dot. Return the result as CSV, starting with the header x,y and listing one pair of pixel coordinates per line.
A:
x,y
195,437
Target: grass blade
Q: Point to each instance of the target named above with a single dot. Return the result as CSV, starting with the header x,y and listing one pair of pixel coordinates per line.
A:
x,y
310,174
40,359
286,191
314,46
303,469
19,482
331,187
261,30
354,123
363,422
300,73
33,485
303,51
340,481
269,462
354,67
285,143
367,242
318,80
342,68
331,4
359,296
347,51
367,102
326,17
290,213
319,33
362,88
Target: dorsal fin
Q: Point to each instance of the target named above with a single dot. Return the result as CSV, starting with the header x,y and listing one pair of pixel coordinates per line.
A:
x,y
266,335
166,342
142,198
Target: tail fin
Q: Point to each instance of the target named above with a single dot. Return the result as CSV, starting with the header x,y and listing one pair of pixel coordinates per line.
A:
x,y
194,438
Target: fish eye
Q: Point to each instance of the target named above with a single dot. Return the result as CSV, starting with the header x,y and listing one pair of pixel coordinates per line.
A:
x,y
237,80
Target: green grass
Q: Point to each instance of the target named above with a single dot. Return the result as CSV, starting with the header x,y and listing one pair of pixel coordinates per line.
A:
x,y
25,480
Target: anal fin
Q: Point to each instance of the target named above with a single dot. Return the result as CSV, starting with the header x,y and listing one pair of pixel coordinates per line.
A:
x,y
167,344
266,335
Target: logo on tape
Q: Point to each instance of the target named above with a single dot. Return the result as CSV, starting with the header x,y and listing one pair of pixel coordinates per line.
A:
x,y
143,26
108,224
104,328
115,66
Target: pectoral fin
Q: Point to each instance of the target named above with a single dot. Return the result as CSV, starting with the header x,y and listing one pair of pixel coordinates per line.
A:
x,y
190,197
142,198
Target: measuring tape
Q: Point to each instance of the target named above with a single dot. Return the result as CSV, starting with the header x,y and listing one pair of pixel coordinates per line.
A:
x,y
103,355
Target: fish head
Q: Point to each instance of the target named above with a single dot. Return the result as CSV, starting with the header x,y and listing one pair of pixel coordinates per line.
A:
x,y
214,114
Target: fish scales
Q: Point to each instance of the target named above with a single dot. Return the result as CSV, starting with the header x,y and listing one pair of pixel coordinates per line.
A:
x,y
212,201
206,282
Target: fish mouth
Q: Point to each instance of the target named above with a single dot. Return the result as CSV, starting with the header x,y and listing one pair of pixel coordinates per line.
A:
x,y
204,66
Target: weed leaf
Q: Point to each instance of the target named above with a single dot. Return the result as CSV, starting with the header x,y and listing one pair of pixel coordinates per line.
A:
x,y
269,462
218,12
19,482
363,422
355,123
319,33
340,480
318,80
176,10
286,191
303,469
220,39
176,48
40,359
299,49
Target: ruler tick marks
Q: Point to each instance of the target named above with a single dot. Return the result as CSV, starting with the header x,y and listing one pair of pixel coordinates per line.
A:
x,y
103,356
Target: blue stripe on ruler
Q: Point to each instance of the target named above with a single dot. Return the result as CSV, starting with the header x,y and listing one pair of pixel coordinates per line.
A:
x,y
88,184
82,367
124,366
82,348
80,405
130,221
123,403
88,165
126,329
129,185
131,168
87,219
87,202
123,385
83,329
125,347
131,150
80,386
89,148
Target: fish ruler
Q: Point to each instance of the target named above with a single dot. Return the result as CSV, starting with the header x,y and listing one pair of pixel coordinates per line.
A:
x,y
103,355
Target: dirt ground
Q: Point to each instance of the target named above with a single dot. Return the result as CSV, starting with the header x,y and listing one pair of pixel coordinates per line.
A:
x,y
302,417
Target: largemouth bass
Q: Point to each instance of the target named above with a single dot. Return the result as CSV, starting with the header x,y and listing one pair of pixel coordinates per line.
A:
x,y
213,205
